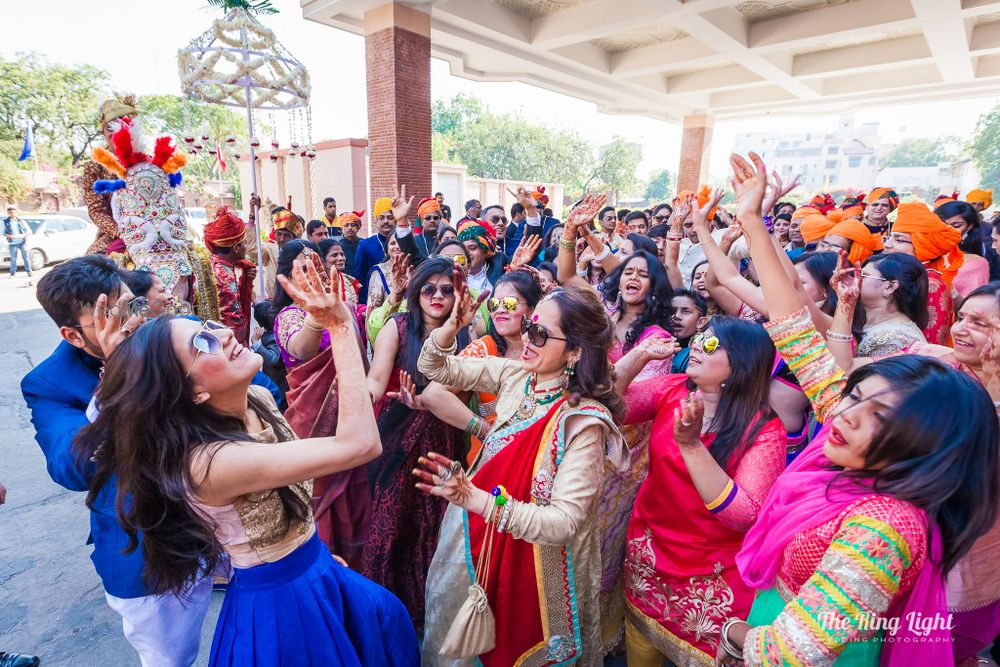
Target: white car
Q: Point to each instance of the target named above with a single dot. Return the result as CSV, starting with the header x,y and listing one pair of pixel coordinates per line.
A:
x,y
54,238
197,218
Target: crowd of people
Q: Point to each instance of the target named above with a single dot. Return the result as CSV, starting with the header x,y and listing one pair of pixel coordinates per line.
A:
x,y
693,435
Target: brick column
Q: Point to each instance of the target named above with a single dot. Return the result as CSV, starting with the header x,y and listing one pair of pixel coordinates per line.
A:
x,y
696,144
398,64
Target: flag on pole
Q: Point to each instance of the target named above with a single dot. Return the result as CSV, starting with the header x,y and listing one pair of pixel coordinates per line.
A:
x,y
220,157
29,145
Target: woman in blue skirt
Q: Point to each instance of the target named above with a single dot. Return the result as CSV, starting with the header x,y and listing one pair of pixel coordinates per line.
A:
x,y
207,466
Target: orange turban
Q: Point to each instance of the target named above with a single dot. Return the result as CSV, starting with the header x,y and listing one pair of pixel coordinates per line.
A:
x,y
225,231
381,205
944,199
853,206
934,242
815,226
704,194
538,194
984,197
802,211
863,242
350,216
479,231
683,194
884,193
837,215
428,205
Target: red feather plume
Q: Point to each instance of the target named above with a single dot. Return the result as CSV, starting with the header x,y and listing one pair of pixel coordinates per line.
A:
x,y
162,151
122,142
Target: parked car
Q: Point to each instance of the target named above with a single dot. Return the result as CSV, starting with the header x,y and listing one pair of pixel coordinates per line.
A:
x,y
197,218
54,238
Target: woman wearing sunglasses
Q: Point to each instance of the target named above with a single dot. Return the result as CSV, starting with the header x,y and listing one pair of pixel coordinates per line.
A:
x,y
207,466
514,298
544,456
713,471
869,518
405,523
340,501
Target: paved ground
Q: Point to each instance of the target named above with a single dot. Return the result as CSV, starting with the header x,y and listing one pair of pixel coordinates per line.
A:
x,y
51,600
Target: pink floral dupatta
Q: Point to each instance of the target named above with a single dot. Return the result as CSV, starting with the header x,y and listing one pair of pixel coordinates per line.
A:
x,y
800,500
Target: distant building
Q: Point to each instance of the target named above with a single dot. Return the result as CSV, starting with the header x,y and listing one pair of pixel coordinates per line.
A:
x,y
846,158
928,182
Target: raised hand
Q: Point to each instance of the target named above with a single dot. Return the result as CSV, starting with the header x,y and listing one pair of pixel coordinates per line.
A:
x,y
524,198
526,252
113,325
312,292
701,213
407,394
688,420
749,183
730,236
583,214
682,209
846,282
401,272
401,206
777,189
464,310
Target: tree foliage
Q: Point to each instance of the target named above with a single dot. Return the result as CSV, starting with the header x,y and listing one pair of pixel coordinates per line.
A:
x,y
985,148
660,186
61,101
615,167
921,152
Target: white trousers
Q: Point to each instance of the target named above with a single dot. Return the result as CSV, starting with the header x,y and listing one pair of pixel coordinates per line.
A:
x,y
165,629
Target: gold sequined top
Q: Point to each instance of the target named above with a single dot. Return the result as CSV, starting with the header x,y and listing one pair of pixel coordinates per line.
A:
x,y
254,530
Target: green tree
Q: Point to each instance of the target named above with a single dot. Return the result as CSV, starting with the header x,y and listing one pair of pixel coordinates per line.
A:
x,y
985,148
12,186
61,102
920,152
458,112
660,186
615,166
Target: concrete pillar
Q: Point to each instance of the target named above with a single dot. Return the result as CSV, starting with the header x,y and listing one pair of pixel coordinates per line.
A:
x,y
696,145
398,64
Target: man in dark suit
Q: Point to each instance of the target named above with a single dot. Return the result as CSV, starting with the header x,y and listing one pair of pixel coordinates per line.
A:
x,y
445,209
165,629
390,217
429,217
472,211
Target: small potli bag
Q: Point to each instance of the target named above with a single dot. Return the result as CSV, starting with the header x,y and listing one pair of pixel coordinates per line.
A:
x,y
473,632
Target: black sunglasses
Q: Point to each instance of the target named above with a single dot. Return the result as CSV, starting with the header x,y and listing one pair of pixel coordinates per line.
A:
x,y
537,334
446,290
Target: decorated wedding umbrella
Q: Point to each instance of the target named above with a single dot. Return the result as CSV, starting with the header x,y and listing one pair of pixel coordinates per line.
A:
x,y
240,63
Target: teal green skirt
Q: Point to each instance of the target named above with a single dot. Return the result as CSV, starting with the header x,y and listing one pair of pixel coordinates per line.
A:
x,y
768,604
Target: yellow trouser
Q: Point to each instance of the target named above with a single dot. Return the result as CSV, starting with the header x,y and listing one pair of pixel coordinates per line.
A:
x,y
639,652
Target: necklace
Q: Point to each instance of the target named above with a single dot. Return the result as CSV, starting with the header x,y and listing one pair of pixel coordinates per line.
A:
x,y
884,319
533,398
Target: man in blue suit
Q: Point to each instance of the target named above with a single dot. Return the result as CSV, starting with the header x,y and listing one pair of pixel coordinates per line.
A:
x,y
372,250
164,629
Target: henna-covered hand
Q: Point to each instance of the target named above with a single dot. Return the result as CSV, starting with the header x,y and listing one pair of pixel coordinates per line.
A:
x,y
442,477
407,394
313,293
688,420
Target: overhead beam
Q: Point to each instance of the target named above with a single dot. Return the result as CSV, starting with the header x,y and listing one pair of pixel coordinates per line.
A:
x,y
727,31
850,20
721,78
985,38
592,20
947,36
861,57
684,52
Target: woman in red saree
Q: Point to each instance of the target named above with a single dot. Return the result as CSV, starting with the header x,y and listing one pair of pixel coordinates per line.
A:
x,y
554,428
341,501
681,582
918,232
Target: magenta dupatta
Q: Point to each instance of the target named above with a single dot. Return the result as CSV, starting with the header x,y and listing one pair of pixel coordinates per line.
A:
x,y
800,500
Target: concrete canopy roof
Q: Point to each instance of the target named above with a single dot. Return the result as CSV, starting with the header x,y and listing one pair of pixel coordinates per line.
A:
x,y
731,58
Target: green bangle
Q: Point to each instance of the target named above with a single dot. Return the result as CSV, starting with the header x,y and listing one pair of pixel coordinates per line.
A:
x,y
565,244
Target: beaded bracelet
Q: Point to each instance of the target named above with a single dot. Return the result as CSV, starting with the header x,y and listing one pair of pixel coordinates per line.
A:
x,y
844,338
566,244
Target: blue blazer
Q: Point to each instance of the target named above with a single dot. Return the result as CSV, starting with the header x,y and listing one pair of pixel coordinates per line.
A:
x,y
371,252
57,392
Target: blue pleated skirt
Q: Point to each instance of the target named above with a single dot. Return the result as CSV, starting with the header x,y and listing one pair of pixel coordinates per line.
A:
x,y
307,609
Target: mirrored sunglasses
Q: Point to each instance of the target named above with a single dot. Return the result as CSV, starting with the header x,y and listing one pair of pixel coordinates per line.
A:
x,y
704,342
509,303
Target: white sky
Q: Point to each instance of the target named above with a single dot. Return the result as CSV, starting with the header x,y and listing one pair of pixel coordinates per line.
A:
x,y
137,42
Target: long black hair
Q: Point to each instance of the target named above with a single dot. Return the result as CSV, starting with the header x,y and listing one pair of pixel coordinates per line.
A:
x,y
415,332
286,259
148,429
911,276
943,459
972,241
640,242
657,308
743,408
524,284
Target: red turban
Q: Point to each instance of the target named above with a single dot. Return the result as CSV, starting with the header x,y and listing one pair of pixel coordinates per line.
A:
x,y
823,202
815,226
934,242
884,193
863,242
225,231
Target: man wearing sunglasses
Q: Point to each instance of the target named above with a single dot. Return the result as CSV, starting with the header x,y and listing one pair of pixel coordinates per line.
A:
x,y
497,217
429,215
88,301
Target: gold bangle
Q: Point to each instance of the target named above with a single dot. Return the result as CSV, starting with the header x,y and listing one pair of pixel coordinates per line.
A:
x,y
566,244
311,323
